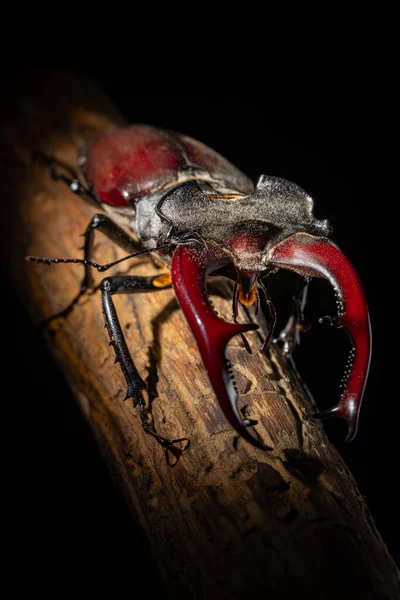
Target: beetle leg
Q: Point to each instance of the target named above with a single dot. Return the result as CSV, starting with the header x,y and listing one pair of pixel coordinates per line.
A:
x,y
319,257
289,337
272,314
123,284
103,223
71,180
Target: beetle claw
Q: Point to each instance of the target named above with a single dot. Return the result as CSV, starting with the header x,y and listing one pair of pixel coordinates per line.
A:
x,y
341,411
169,445
318,257
190,266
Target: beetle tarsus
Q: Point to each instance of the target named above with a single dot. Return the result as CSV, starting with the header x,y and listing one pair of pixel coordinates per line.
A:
x,y
168,444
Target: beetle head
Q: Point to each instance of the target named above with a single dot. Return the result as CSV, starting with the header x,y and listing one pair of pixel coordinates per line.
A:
x,y
245,227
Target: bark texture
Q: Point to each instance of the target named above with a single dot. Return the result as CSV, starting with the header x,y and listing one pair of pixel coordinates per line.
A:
x,y
228,519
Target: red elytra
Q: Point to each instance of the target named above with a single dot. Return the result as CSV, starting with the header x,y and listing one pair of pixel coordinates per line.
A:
x,y
124,165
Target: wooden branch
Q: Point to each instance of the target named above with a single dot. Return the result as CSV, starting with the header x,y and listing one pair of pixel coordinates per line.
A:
x,y
228,519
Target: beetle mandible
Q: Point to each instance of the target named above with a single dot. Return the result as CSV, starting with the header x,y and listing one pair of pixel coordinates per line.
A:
x,y
200,215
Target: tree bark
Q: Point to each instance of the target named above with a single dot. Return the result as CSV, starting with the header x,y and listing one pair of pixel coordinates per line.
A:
x,y
228,519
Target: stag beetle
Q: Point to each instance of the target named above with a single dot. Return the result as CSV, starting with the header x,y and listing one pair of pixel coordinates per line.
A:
x,y
199,215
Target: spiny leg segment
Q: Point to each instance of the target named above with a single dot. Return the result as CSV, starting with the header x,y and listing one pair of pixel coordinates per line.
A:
x,y
125,284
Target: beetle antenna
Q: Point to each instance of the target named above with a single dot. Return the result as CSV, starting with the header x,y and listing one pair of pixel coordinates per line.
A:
x,y
81,261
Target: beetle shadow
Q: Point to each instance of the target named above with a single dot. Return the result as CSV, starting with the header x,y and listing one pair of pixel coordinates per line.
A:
x,y
155,349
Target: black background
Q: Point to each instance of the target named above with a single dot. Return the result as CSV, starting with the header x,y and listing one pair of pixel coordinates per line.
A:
x,y
329,145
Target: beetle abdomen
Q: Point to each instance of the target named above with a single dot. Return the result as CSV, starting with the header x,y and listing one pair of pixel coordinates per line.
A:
x,y
126,164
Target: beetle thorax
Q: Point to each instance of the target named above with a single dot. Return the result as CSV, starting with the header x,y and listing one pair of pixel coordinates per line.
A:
x,y
245,226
